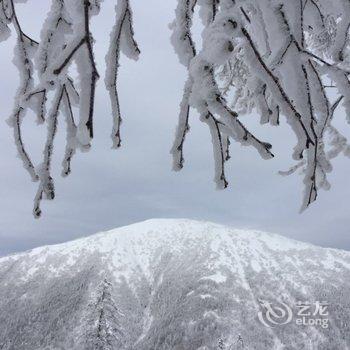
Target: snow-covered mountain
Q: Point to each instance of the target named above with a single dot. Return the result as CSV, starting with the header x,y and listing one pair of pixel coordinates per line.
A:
x,y
176,284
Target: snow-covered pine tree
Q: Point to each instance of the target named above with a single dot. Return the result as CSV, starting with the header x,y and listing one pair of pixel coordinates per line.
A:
x,y
277,57
104,330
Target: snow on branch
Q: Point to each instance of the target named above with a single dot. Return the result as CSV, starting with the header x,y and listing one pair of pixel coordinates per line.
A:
x,y
280,58
122,40
277,57
65,38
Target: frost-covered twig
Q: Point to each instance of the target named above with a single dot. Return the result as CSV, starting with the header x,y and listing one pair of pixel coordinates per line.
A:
x,y
185,48
218,149
122,39
277,57
46,185
24,51
65,38
182,129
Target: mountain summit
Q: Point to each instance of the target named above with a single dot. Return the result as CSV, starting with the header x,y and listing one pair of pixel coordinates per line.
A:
x,y
179,285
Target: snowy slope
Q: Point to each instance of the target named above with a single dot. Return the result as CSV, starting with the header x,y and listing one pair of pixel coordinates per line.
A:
x,y
172,284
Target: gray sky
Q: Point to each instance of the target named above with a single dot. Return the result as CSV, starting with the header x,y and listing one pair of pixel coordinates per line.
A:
x,y
109,188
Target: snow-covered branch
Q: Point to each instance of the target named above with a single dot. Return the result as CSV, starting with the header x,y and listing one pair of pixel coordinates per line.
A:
x,y
121,40
65,38
278,58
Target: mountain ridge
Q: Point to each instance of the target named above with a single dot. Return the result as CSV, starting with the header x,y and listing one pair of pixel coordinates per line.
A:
x,y
171,284
166,220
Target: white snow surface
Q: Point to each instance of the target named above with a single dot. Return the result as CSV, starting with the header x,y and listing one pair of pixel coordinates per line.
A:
x,y
171,284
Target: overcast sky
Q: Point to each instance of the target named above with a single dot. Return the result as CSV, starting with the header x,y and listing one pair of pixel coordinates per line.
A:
x,y
109,188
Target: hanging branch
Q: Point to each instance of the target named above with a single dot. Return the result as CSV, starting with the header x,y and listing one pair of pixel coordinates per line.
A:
x,y
182,129
203,90
65,38
218,148
24,49
276,57
122,40
185,48
71,133
46,185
